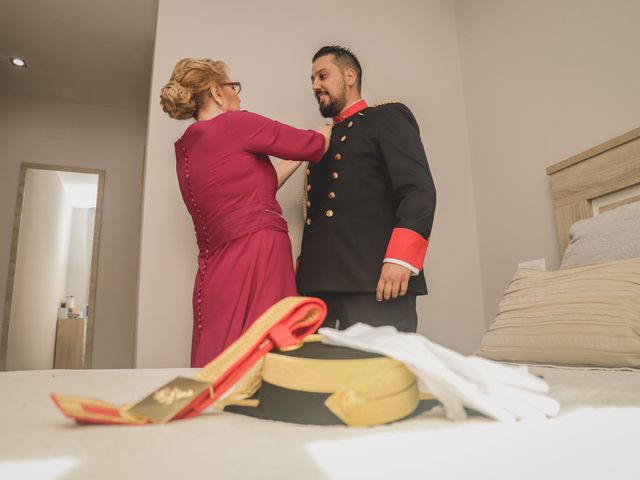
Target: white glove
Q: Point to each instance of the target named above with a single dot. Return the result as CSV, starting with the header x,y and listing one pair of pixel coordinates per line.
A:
x,y
503,392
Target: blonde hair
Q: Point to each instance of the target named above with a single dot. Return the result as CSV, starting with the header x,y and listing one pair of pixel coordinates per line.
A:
x,y
189,84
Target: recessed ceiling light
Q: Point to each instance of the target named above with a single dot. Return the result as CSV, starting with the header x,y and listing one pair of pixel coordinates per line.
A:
x,y
18,62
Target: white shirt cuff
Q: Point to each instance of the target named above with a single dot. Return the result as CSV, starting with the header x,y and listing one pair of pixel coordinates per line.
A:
x,y
414,271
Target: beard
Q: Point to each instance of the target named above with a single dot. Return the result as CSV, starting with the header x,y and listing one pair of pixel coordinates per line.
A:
x,y
335,104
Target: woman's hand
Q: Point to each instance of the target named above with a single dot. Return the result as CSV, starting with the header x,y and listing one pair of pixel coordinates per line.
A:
x,y
326,131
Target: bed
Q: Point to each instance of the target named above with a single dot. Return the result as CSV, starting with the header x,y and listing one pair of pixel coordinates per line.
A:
x,y
593,437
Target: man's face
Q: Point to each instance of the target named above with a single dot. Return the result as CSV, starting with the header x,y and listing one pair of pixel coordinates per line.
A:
x,y
329,86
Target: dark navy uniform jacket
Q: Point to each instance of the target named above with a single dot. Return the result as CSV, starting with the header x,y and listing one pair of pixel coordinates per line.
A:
x,y
373,184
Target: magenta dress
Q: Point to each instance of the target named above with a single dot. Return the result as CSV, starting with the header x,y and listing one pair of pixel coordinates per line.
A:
x,y
229,187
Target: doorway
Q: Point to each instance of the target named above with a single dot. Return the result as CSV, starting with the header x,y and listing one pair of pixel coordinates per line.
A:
x,y
51,285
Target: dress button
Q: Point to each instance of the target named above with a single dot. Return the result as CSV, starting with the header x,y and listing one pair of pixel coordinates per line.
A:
x,y
337,156
307,171
329,213
343,138
350,125
334,175
331,195
308,204
308,221
308,188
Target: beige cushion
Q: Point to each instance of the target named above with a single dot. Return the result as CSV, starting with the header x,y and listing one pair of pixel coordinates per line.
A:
x,y
585,316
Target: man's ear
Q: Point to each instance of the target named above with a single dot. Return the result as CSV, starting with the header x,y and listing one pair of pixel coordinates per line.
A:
x,y
350,76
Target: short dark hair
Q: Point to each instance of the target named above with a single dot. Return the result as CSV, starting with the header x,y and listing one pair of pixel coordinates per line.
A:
x,y
344,58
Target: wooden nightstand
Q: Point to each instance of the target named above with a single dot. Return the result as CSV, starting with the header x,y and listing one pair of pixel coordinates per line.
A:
x,y
70,338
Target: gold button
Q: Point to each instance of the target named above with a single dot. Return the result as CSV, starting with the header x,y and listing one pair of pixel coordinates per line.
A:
x,y
350,125
331,195
308,221
308,203
308,188
307,171
343,138
334,175
329,213
337,156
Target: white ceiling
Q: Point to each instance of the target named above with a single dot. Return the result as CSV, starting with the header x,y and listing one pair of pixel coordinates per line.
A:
x,y
98,52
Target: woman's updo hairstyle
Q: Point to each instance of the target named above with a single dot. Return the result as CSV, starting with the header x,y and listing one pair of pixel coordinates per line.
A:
x,y
189,85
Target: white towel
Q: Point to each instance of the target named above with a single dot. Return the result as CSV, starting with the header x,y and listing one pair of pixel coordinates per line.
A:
x,y
502,392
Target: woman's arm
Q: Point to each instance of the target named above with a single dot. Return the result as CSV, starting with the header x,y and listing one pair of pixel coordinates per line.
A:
x,y
285,169
260,135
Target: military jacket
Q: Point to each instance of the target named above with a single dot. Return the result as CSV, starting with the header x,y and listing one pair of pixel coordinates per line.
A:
x,y
373,180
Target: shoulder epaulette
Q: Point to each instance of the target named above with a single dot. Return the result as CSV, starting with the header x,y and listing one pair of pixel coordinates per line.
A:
x,y
386,102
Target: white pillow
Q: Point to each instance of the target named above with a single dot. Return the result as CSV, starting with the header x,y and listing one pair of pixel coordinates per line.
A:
x,y
613,235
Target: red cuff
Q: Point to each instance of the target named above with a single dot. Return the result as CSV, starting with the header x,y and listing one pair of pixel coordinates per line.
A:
x,y
408,246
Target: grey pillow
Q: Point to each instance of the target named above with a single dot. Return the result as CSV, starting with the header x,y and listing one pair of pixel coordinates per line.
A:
x,y
613,235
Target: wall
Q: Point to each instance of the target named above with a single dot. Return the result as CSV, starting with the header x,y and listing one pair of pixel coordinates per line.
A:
x,y
409,53
79,264
41,271
543,80
58,133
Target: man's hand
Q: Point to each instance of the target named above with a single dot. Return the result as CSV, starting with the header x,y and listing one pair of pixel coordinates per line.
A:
x,y
394,281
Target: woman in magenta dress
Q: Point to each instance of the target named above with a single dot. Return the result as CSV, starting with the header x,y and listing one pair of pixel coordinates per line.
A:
x,y
229,187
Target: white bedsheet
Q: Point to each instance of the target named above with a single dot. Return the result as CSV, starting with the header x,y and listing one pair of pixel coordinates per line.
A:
x,y
594,437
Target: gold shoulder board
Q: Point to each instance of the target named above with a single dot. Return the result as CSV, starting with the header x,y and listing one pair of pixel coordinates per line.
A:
x,y
386,102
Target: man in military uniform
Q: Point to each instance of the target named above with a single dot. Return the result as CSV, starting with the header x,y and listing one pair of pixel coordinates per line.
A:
x,y
369,204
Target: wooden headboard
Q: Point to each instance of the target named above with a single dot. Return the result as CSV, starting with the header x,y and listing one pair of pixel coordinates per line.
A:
x,y
599,179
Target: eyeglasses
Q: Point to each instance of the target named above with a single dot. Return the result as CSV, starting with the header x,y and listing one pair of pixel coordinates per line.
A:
x,y
235,85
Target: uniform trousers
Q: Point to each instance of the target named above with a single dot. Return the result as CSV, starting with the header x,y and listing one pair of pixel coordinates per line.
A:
x,y
346,308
